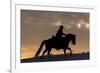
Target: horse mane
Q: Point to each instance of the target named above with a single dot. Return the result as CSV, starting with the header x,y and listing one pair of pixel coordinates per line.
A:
x,y
71,34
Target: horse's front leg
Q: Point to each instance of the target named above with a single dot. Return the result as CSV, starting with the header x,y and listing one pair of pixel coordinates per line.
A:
x,y
70,51
64,51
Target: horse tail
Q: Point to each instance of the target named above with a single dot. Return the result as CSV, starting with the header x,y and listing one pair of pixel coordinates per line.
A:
x,y
39,50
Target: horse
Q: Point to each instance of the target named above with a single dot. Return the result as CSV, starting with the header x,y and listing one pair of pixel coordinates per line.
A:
x,y
57,43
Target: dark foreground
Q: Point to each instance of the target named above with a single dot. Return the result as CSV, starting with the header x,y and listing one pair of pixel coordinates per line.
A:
x,y
61,57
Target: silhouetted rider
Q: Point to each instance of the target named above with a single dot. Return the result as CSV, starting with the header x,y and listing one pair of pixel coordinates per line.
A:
x,y
60,33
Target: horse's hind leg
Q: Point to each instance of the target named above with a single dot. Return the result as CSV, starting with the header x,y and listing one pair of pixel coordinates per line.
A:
x,y
49,51
43,53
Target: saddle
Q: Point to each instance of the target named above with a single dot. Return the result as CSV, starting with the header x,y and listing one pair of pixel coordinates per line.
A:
x,y
58,39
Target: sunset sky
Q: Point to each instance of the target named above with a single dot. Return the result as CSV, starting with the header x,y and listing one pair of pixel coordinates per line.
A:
x,y
37,26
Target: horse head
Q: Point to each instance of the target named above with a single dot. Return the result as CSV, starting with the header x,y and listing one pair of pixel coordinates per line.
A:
x,y
72,38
